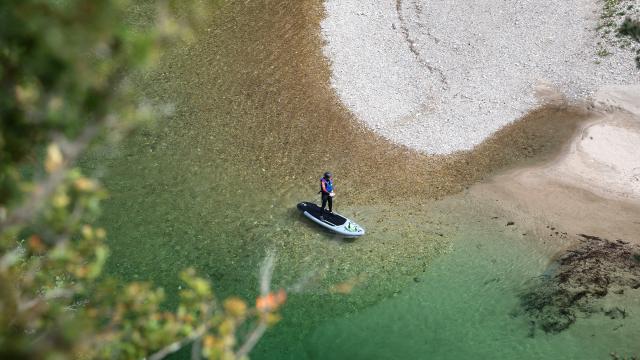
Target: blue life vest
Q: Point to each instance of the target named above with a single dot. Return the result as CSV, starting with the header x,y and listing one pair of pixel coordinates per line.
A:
x,y
328,184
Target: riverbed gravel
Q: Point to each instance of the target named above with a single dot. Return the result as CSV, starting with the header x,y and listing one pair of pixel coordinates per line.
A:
x,y
440,76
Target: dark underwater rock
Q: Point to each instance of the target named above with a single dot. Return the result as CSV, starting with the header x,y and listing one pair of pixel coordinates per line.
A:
x,y
579,276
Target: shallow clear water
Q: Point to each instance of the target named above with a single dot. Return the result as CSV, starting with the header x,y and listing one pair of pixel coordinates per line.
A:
x,y
465,305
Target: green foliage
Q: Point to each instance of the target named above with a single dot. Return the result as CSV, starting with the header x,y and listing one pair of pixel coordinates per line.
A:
x,y
62,65
64,68
617,27
602,52
609,8
631,28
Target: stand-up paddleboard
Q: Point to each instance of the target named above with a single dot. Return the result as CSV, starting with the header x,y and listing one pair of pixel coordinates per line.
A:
x,y
332,221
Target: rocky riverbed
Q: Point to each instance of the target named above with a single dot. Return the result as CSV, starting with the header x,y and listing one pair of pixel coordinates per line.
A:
x,y
593,269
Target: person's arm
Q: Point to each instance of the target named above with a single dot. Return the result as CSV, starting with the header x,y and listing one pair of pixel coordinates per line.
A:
x,y
324,186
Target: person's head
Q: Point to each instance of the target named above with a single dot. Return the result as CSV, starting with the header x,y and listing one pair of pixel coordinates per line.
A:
x,y
328,175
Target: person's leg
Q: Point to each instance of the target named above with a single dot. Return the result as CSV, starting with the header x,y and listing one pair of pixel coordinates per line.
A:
x,y
324,201
330,203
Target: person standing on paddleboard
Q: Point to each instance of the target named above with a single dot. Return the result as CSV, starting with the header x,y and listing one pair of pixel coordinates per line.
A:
x,y
326,189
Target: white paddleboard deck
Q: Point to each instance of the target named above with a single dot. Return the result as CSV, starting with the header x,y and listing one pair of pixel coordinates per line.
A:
x,y
332,221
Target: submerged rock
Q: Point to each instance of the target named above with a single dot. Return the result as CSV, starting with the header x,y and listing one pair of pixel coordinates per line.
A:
x,y
583,274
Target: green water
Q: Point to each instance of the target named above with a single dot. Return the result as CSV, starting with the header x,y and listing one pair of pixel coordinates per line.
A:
x,y
215,185
464,305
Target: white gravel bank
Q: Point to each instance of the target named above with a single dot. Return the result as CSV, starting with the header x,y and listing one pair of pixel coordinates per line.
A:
x,y
442,75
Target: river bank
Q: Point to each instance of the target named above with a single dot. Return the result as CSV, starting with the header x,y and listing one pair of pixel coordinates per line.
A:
x,y
593,186
442,76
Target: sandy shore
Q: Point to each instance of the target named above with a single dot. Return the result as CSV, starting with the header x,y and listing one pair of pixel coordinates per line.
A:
x,y
593,187
442,76
604,157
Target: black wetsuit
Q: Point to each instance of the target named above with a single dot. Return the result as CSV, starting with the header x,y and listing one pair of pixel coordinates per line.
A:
x,y
326,198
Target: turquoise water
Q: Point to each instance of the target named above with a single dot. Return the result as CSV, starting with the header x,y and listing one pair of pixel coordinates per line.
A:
x,y
465,306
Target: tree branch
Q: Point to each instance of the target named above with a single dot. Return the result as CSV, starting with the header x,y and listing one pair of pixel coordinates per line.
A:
x,y
175,346
46,187
252,340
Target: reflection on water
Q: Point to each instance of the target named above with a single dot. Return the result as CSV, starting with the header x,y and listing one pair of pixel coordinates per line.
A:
x,y
255,126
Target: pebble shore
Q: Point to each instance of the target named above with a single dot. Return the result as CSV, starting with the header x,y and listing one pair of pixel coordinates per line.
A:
x,y
440,76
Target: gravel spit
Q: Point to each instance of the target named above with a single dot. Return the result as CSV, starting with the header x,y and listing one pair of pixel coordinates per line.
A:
x,y
441,76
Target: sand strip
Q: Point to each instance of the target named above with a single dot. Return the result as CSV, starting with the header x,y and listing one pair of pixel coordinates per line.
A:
x,y
593,187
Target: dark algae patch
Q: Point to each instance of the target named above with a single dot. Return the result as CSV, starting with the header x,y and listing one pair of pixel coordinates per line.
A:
x,y
594,269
